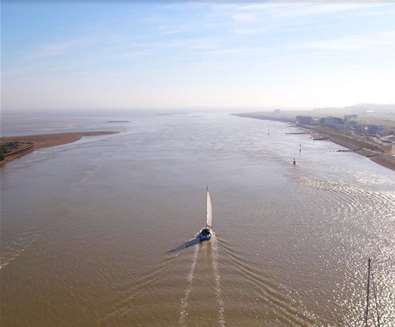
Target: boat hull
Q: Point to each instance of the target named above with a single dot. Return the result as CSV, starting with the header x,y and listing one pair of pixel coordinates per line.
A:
x,y
204,234
203,238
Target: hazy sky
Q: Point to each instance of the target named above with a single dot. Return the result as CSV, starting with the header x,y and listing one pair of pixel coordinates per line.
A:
x,y
196,54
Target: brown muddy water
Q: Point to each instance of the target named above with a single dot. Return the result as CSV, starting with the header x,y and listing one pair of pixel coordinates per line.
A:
x,y
93,233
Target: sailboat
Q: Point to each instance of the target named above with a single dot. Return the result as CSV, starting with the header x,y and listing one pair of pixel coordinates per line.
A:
x,y
206,232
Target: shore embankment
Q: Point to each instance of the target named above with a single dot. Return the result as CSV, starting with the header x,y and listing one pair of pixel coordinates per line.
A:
x,y
354,143
27,143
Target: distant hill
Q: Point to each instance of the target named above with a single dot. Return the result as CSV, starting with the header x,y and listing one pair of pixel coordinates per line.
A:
x,y
361,109
382,108
381,114
367,113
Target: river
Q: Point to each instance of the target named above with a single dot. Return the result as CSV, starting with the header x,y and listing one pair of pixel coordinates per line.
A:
x,y
93,232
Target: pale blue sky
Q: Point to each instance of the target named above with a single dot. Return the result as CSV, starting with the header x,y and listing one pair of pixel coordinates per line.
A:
x,y
228,55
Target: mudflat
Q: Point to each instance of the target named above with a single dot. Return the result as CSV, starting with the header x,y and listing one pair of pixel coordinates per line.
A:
x,y
32,142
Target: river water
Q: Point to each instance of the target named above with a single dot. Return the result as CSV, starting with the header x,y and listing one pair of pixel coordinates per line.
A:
x,y
94,232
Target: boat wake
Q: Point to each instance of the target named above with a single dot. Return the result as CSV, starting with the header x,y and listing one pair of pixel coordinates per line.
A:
x,y
150,297
217,279
218,293
188,290
160,293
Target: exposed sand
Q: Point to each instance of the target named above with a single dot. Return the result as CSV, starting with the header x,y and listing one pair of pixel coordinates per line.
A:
x,y
44,141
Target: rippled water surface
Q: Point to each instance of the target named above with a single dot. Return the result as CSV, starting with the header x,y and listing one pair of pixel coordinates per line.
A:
x,y
100,232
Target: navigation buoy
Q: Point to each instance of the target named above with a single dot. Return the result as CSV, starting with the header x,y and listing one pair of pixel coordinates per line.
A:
x,y
300,148
294,162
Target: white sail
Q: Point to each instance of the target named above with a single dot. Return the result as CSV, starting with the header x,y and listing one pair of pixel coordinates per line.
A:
x,y
209,211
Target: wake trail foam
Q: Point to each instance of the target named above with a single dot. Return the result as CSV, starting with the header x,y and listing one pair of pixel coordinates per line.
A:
x,y
218,293
185,298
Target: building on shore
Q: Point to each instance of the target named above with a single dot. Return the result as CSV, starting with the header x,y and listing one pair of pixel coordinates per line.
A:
x,y
352,117
304,120
373,130
332,122
350,122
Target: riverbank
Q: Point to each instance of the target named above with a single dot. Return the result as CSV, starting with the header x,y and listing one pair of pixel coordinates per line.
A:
x,y
28,143
353,143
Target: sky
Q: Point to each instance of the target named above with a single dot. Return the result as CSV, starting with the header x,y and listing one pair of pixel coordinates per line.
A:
x,y
124,55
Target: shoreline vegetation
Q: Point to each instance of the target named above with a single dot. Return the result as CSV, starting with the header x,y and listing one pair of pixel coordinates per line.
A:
x,y
13,147
353,143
